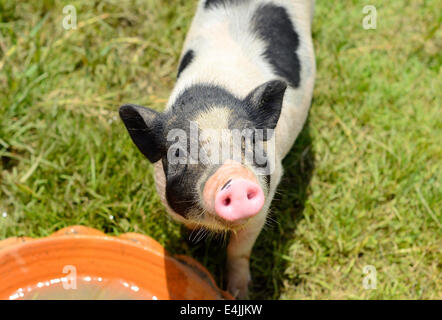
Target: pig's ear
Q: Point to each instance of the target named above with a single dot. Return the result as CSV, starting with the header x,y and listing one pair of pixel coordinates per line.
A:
x,y
145,127
264,103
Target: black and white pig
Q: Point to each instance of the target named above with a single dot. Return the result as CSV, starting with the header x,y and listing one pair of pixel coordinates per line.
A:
x,y
247,67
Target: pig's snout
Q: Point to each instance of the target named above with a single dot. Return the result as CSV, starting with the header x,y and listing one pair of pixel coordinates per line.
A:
x,y
233,193
239,199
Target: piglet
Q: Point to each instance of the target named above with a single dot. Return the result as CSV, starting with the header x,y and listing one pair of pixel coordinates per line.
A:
x,y
242,95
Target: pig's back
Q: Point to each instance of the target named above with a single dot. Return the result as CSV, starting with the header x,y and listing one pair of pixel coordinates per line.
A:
x,y
240,44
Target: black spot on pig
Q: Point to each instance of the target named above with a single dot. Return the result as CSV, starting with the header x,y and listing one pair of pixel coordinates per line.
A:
x,y
201,97
273,25
260,109
216,3
181,180
185,61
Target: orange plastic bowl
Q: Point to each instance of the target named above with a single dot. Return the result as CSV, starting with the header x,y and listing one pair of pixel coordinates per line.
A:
x,y
83,263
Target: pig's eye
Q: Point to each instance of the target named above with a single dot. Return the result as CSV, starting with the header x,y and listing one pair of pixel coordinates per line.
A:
x,y
176,163
179,153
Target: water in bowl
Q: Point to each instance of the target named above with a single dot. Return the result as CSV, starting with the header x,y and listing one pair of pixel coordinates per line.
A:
x,y
84,288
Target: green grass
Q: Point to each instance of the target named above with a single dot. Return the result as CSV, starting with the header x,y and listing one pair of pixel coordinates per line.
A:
x,y
362,184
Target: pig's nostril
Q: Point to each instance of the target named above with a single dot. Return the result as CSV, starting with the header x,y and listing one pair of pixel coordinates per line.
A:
x,y
251,195
226,201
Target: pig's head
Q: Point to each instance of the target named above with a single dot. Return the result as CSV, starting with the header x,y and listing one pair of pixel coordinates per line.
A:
x,y
213,150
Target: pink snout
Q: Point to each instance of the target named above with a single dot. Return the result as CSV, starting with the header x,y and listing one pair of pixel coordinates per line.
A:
x,y
239,199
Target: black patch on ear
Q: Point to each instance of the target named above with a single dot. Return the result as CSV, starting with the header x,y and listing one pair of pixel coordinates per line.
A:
x,y
185,61
264,104
145,128
215,3
273,25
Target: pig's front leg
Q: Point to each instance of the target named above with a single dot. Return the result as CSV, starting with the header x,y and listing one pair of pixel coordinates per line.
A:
x,y
238,256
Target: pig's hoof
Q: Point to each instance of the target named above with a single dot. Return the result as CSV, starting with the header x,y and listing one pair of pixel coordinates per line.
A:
x,y
238,285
